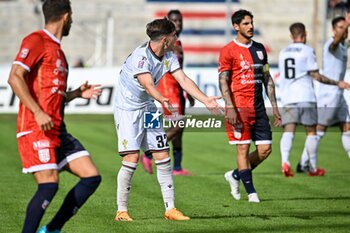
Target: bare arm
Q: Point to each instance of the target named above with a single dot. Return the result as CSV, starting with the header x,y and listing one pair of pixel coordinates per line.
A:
x,y
20,88
190,87
270,91
231,114
323,79
146,81
85,91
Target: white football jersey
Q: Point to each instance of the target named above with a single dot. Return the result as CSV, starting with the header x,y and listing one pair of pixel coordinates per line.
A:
x,y
334,66
130,94
294,63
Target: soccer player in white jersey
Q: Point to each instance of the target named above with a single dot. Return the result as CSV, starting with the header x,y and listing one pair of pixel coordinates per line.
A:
x,y
332,107
298,67
135,97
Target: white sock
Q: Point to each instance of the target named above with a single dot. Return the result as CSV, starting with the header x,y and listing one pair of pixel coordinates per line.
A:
x,y
286,146
311,145
166,182
305,157
124,184
345,138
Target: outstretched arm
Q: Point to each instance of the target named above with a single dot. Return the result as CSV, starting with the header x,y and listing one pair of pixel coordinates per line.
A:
x,y
190,87
146,81
270,92
85,91
323,79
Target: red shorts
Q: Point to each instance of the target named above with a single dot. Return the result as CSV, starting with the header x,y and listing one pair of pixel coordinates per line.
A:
x,y
37,152
171,90
253,127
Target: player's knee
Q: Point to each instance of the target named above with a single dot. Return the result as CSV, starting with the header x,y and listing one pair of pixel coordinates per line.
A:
x,y
93,181
265,152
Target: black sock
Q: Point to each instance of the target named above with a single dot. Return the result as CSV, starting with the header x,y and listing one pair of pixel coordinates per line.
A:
x,y
247,180
148,154
177,153
73,201
37,206
235,174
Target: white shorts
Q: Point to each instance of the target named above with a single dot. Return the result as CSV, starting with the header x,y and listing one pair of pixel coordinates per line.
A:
x,y
304,113
133,133
332,109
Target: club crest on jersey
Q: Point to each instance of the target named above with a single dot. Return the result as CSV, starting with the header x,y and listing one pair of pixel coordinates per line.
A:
x,y
260,55
44,155
125,144
24,53
166,64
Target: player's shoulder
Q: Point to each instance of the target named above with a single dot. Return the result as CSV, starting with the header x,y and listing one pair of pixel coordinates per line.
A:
x,y
226,49
257,44
35,37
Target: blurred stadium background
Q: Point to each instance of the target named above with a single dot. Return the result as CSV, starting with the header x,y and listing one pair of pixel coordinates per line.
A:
x,y
106,31
103,34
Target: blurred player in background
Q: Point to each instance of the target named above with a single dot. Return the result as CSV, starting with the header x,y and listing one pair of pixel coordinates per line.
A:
x,y
134,99
332,107
171,89
39,78
243,68
298,67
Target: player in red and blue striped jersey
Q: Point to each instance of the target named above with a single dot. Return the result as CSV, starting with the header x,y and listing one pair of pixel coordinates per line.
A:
x,y
243,68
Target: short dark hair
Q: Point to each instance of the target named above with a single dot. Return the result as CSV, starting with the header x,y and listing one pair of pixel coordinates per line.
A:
x,y
159,27
175,12
336,20
54,9
239,15
297,29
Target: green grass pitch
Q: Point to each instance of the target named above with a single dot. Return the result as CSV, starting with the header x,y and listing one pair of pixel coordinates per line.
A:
x,y
299,204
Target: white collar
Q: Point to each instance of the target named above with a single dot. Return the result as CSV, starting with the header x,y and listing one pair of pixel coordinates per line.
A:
x,y
54,38
243,45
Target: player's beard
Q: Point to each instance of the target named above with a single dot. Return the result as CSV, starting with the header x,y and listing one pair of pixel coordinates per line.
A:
x,y
66,28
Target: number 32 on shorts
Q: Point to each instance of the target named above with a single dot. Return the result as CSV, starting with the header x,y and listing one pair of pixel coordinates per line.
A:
x,y
162,141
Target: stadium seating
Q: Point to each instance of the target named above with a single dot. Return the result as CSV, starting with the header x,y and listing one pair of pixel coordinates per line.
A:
x,y
204,25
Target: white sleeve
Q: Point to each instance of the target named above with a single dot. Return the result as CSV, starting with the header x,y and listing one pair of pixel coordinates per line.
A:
x,y
140,65
311,60
174,63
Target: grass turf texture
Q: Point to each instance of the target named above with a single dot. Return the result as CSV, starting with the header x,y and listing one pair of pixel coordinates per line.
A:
x,y
299,204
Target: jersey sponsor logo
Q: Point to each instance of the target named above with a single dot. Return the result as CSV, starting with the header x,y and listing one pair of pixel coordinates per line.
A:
x,y
245,65
42,144
151,120
245,81
260,55
60,69
24,53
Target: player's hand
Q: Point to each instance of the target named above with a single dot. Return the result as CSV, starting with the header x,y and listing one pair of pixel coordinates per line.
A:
x,y
343,85
170,108
213,106
90,91
43,120
231,116
277,115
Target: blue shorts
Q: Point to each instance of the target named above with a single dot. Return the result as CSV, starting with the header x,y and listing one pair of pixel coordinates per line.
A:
x,y
69,150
